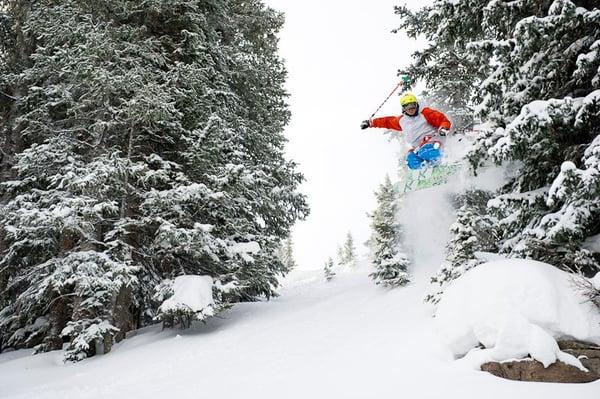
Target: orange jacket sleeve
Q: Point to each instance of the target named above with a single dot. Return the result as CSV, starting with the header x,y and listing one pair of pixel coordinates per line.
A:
x,y
436,118
388,122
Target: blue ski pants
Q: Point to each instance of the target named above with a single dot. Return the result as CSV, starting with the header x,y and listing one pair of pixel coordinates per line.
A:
x,y
428,154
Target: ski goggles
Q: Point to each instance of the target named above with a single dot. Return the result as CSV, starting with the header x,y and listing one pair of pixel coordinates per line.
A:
x,y
409,106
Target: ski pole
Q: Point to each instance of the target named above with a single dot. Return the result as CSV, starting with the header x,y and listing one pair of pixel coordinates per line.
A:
x,y
404,81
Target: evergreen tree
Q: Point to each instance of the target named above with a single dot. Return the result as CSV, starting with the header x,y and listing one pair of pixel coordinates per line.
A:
x,y
141,141
390,263
328,270
531,75
286,254
445,65
340,255
474,230
348,251
541,105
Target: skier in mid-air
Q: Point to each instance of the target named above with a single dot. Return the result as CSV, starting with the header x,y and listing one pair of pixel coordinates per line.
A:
x,y
424,129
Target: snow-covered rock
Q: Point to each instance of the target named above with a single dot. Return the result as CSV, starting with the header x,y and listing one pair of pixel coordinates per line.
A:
x,y
534,371
515,308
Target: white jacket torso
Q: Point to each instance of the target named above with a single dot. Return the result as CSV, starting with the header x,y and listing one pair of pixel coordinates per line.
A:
x,y
415,128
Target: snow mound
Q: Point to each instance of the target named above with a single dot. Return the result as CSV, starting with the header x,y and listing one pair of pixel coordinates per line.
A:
x,y
515,308
596,281
190,293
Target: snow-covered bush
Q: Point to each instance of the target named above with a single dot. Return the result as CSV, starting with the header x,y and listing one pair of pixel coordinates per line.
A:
x,y
391,273
88,336
328,271
186,299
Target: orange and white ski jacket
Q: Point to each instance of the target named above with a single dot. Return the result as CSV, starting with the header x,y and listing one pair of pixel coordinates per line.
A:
x,y
418,129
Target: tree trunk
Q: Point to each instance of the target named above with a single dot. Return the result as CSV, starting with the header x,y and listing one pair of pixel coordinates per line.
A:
x,y
58,321
12,142
123,317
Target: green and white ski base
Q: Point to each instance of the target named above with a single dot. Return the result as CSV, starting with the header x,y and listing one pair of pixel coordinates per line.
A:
x,y
420,179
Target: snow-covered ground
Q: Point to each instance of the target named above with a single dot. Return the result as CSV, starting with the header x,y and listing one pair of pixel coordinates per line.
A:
x,y
341,339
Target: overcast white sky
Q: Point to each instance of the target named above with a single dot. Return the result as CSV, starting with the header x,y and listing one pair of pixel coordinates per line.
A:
x,y
342,61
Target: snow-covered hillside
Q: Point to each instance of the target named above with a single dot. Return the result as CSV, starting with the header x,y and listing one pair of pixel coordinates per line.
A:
x,y
341,339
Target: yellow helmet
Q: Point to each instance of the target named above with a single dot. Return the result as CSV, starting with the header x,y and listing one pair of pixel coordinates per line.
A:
x,y
408,98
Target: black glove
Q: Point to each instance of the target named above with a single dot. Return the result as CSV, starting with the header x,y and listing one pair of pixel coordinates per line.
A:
x,y
365,124
443,131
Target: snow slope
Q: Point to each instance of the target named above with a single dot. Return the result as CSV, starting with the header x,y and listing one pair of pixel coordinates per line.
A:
x,y
344,339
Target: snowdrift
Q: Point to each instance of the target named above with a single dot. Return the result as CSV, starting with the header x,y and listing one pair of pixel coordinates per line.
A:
x,y
515,308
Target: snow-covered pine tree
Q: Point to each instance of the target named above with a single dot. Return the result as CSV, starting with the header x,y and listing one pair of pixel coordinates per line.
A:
x,y
474,230
286,254
141,141
348,251
340,255
536,93
541,105
328,269
449,71
390,262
